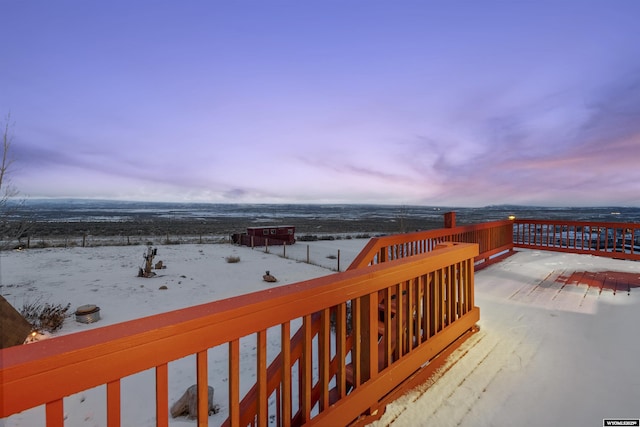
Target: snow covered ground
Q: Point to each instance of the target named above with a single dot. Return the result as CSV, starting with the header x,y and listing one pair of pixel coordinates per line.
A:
x,y
545,355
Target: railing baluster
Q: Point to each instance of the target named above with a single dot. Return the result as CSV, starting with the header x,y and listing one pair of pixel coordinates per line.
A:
x,y
411,294
324,359
306,366
162,395
437,296
452,297
388,330
447,295
261,375
457,281
371,333
234,383
420,306
113,403
341,349
356,351
398,333
203,388
431,308
285,338
55,413
470,285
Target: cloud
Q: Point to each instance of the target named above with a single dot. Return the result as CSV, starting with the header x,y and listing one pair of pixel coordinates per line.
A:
x,y
555,150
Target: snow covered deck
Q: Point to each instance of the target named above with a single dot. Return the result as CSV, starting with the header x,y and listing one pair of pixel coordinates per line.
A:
x,y
550,351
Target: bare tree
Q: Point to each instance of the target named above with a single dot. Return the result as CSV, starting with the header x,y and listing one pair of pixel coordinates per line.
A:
x,y
12,226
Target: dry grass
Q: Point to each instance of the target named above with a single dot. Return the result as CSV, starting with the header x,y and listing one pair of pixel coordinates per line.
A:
x,y
232,259
45,316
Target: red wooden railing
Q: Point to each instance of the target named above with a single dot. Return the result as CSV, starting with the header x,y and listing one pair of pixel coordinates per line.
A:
x,y
493,238
608,239
322,375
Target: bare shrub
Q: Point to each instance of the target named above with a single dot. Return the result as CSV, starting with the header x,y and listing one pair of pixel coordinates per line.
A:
x,y
45,316
232,259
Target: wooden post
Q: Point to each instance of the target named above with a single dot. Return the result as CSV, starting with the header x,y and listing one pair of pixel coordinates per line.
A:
x,y
307,254
338,260
266,245
84,238
369,336
450,220
284,250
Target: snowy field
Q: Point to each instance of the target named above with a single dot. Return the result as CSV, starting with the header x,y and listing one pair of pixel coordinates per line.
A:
x,y
545,355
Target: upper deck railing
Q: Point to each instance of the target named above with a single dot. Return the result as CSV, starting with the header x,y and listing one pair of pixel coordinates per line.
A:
x,y
497,239
388,321
608,239
493,238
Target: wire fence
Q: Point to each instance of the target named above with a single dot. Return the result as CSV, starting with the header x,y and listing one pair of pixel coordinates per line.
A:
x,y
334,252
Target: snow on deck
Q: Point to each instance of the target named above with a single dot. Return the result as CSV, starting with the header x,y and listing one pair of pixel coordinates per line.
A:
x,y
550,351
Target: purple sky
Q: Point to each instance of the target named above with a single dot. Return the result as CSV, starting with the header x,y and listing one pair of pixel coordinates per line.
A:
x,y
465,103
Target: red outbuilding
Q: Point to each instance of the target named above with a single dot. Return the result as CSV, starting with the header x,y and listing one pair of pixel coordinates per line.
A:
x,y
267,235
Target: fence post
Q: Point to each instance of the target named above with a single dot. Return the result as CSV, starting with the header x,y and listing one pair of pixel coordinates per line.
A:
x,y
307,254
338,260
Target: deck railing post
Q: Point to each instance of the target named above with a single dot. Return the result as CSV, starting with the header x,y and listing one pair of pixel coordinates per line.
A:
x,y
450,220
369,336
